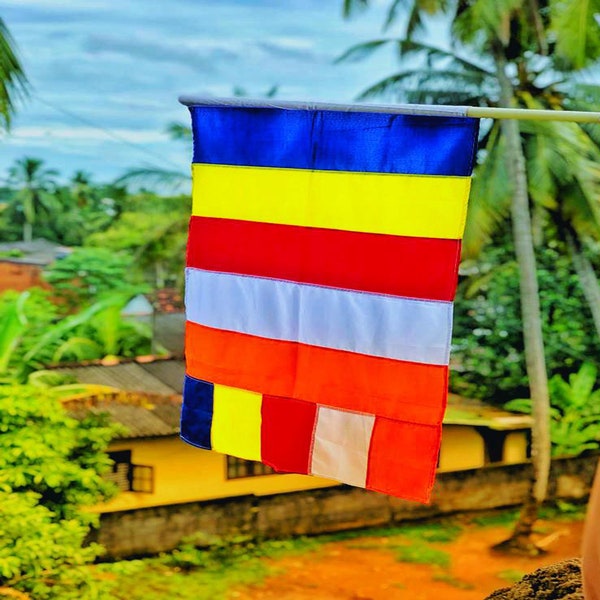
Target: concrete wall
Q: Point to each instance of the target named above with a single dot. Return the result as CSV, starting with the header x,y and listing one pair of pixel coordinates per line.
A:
x,y
151,530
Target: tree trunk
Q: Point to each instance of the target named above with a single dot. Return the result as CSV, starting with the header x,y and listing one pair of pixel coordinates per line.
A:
x,y
591,544
587,279
27,231
531,318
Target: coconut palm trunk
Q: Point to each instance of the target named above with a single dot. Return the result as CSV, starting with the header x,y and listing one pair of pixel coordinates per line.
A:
x,y
531,318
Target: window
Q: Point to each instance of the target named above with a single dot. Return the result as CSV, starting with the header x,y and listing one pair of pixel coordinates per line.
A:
x,y
239,467
130,477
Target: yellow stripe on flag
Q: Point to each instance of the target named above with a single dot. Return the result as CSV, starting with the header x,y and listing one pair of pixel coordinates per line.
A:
x,y
236,422
408,205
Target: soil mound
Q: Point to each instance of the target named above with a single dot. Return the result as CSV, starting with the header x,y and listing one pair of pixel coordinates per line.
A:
x,y
561,581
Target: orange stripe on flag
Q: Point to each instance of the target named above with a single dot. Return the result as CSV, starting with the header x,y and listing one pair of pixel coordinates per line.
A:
x,y
386,387
409,470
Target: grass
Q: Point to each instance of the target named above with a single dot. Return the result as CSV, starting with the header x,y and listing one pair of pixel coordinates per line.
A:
x,y
453,581
208,568
511,575
199,574
444,530
557,511
210,571
563,511
496,518
422,554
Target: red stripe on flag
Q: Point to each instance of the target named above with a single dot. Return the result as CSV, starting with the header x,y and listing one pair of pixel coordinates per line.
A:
x,y
390,388
402,266
286,433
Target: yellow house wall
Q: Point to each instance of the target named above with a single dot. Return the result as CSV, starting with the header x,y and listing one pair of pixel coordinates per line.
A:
x,y
515,447
183,473
462,448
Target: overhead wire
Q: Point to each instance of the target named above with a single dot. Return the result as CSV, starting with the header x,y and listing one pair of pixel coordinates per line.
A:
x,y
109,133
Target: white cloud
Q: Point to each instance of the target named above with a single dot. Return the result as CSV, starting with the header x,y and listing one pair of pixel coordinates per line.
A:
x,y
88,134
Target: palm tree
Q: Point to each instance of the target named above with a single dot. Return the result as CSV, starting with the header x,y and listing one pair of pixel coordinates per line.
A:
x,y
170,179
13,83
34,185
518,60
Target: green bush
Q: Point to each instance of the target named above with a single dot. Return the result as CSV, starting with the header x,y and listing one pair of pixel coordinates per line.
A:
x,y
89,274
574,413
51,466
487,347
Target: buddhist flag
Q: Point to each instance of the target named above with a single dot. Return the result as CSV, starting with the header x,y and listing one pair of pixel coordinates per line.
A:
x,y
321,268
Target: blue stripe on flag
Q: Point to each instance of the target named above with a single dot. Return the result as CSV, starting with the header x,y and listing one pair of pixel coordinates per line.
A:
x,y
197,412
331,140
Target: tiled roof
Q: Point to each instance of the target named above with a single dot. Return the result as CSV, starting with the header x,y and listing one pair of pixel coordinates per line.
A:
x,y
147,397
157,377
142,416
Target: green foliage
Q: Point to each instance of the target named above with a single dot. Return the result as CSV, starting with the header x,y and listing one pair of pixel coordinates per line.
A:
x,y
504,518
561,510
13,83
154,231
44,450
422,554
192,573
512,575
12,327
23,318
443,531
575,412
32,337
88,274
487,348
51,466
43,556
37,206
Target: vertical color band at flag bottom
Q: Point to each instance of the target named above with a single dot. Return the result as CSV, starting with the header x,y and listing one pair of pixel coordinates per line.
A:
x,y
302,437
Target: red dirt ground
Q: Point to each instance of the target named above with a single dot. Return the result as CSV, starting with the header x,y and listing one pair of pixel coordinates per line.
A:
x,y
362,568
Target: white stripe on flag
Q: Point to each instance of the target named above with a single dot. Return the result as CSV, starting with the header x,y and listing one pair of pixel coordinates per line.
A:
x,y
365,323
341,445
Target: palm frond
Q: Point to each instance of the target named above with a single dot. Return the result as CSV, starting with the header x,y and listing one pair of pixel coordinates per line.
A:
x,y
13,83
541,178
584,92
13,325
415,23
427,86
484,20
179,131
60,329
155,177
351,7
393,13
408,49
573,22
362,50
78,347
489,200
272,91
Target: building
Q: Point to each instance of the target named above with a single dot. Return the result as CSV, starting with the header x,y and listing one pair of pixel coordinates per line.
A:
x,y
153,467
22,263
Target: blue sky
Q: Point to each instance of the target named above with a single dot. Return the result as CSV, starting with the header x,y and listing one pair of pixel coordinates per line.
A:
x,y
106,75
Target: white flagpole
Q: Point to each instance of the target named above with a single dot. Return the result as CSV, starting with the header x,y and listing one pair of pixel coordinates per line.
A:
x,y
403,109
